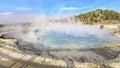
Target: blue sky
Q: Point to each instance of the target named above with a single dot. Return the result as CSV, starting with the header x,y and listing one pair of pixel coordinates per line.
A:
x,y
53,7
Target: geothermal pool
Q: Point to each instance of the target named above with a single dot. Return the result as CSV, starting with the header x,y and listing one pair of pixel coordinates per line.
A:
x,y
56,41
71,36
67,36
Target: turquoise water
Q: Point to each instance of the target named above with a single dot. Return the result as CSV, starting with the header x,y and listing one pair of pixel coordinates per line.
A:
x,y
52,40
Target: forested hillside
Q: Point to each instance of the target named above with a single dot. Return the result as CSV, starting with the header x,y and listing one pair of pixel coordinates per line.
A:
x,y
99,16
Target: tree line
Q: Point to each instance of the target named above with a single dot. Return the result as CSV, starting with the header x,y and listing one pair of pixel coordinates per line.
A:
x,y
99,16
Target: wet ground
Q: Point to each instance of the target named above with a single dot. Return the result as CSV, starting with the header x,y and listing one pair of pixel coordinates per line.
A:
x,y
12,57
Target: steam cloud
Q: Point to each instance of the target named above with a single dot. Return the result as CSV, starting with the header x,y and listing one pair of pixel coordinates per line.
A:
x,y
45,27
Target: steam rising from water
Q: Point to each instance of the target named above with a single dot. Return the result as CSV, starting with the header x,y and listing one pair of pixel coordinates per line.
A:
x,y
50,35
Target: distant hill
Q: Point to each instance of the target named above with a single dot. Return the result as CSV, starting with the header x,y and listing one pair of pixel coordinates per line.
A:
x,y
99,16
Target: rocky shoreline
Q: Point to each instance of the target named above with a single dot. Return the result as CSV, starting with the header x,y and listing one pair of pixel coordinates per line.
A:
x,y
109,54
99,56
107,57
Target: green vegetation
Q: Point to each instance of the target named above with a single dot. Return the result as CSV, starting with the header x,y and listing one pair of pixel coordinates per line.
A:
x,y
1,26
99,16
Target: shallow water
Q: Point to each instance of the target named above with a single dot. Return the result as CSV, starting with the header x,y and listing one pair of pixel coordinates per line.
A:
x,y
53,41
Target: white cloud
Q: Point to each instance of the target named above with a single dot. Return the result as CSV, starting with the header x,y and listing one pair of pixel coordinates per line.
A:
x,y
74,8
69,8
20,18
6,13
23,8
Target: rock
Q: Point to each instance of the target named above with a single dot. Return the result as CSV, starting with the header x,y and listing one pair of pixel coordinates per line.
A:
x,y
54,62
113,65
117,34
28,47
82,59
86,65
8,41
7,36
115,27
